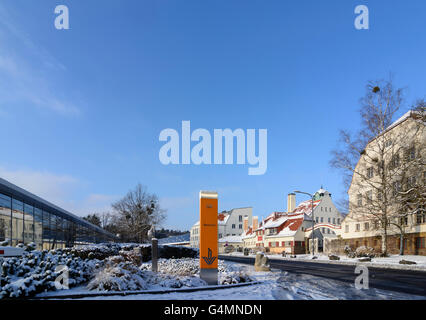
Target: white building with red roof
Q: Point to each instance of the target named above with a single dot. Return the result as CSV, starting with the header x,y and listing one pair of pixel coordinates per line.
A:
x,y
289,231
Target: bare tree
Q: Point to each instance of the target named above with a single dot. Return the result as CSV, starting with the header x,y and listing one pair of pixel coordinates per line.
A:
x,y
410,190
136,213
371,159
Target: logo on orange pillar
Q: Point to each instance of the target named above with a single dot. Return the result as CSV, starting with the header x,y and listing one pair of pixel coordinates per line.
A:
x,y
208,230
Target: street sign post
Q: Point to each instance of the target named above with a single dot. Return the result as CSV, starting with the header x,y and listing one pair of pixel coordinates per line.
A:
x,y
208,236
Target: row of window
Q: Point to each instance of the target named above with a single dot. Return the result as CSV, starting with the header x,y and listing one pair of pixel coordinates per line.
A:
x,y
23,223
321,219
395,161
420,218
396,189
275,244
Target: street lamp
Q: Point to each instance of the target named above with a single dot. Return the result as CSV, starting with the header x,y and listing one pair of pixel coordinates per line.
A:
x,y
312,214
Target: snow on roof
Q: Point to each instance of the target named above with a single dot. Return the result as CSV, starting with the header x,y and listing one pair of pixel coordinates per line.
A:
x,y
231,239
248,233
321,190
222,218
290,227
306,207
275,223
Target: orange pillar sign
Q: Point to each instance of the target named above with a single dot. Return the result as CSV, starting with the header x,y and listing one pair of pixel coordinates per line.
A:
x,y
208,236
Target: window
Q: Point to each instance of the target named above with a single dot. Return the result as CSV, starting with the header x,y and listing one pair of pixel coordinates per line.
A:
x,y
369,195
376,224
412,153
322,219
316,219
346,228
5,214
321,208
334,220
420,243
366,226
357,227
395,161
329,220
411,182
325,209
421,218
359,200
17,222
404,243
404,221
388,143
370,172
240,226
233,226
240,218
396,188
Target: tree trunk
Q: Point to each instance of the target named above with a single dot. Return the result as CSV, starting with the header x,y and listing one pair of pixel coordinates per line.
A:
x,y
401,244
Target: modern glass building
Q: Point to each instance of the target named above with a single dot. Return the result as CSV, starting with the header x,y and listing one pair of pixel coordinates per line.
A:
x,y
26,218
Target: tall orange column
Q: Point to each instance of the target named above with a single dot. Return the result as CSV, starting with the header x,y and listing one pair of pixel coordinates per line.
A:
x,y
208,236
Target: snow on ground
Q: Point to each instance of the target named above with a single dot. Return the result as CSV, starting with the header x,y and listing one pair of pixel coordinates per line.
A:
x,y
277,285
121,275
389,262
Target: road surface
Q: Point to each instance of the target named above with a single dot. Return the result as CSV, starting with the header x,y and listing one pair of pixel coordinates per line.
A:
x,y
406,281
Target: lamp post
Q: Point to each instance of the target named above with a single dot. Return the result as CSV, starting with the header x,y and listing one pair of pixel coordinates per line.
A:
x,y
313,220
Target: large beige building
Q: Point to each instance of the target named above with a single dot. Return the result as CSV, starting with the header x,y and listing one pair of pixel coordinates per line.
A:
x,y
382,194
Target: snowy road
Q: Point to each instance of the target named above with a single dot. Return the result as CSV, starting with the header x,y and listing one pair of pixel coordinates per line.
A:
x,y
403,281
279,285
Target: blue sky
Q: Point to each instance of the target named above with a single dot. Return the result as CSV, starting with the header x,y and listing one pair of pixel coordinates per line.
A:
x,y
82,109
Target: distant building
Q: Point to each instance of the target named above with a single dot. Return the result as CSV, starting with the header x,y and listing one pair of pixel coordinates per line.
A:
x,y
180,240
230,223
290,231
27,218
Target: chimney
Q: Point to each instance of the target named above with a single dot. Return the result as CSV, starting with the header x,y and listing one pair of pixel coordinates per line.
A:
x,y
245,224
291,202
255,223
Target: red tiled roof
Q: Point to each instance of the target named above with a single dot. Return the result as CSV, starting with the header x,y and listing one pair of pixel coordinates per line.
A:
x,y
221,216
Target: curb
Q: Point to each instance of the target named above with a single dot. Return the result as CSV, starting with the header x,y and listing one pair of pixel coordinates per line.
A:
x,y
128,293
348,263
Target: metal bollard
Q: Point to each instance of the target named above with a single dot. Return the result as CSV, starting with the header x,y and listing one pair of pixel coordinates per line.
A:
x,y
154,254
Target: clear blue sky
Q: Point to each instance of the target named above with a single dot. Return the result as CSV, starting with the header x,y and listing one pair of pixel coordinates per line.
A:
x,y
81,109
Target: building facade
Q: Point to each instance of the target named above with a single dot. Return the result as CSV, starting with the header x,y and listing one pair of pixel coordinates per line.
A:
x,y
230,223
389,169
26,218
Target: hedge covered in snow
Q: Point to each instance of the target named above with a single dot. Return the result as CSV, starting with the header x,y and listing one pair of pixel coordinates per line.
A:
x,y
106,267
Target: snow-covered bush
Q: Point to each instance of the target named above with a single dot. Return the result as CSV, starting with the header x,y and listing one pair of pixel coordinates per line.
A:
x,y
118,275
227,273
360,252
121,275
364,251
34,272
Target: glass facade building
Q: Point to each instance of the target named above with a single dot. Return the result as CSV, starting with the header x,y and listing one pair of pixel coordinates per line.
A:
x,y
26,218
